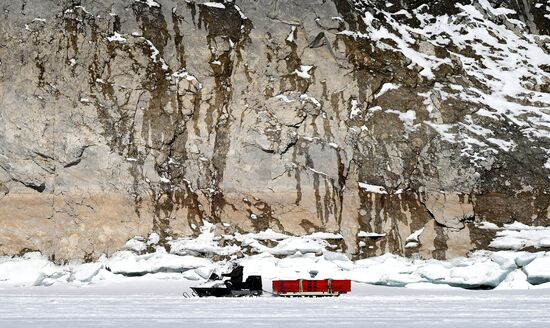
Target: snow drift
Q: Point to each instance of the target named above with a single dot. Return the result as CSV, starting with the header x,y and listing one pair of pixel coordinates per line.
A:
x,y
275,255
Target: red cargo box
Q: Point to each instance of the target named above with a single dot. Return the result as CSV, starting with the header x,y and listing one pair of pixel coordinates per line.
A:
x,y
286,286
315,286
341,286
311,287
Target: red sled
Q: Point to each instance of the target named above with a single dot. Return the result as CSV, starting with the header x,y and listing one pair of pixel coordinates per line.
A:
x,y
307,287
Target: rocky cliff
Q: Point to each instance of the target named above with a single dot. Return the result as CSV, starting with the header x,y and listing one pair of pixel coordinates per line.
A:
x,y
402,125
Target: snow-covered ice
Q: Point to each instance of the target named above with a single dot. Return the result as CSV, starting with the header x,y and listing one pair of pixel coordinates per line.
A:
x,y
538,271
142,302
517,236
277,255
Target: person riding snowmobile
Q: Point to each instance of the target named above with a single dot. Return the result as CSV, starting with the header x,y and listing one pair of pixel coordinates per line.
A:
x,y
235,277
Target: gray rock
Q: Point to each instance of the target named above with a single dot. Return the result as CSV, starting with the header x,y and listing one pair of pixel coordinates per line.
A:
x,y
119,119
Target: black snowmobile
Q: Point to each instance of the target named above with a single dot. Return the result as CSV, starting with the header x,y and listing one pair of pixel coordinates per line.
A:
x,y
234,287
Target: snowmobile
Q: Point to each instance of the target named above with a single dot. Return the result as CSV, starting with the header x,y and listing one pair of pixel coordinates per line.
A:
x,y
234,287
218,288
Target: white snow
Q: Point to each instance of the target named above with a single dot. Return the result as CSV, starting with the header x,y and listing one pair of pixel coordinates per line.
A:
x,y
85,272
305,98
241,13
292,246
214,5
415,235
136,244
524,258
205,243
325,235
183,74
496,11
365,234
407,118
284,98
290,37
150,3
116,37
509,64
412,244
517,236
25,270
153,239
487,226
155,55
85,10
142,302
355,109
517,279
412,241
277,255
385,88
372,188
538,270
129,263
303,72
267,234
316,171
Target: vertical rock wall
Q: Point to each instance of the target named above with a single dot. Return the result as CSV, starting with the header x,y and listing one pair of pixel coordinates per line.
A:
x,y
121,118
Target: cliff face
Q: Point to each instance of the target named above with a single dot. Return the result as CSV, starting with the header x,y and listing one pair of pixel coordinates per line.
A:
x,y
122,118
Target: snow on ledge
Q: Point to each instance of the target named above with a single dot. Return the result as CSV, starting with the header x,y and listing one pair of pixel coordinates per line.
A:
x,y
413,240
150,3
214,5
355,109
364,234
283,98
487,226
387,87
516,240
516,235
372,188
303,72
290,37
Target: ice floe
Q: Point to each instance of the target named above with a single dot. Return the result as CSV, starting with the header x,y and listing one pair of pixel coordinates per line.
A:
x,y
277,255
518,236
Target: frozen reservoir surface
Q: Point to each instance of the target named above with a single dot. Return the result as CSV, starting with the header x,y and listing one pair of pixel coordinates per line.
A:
x,y
139,302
